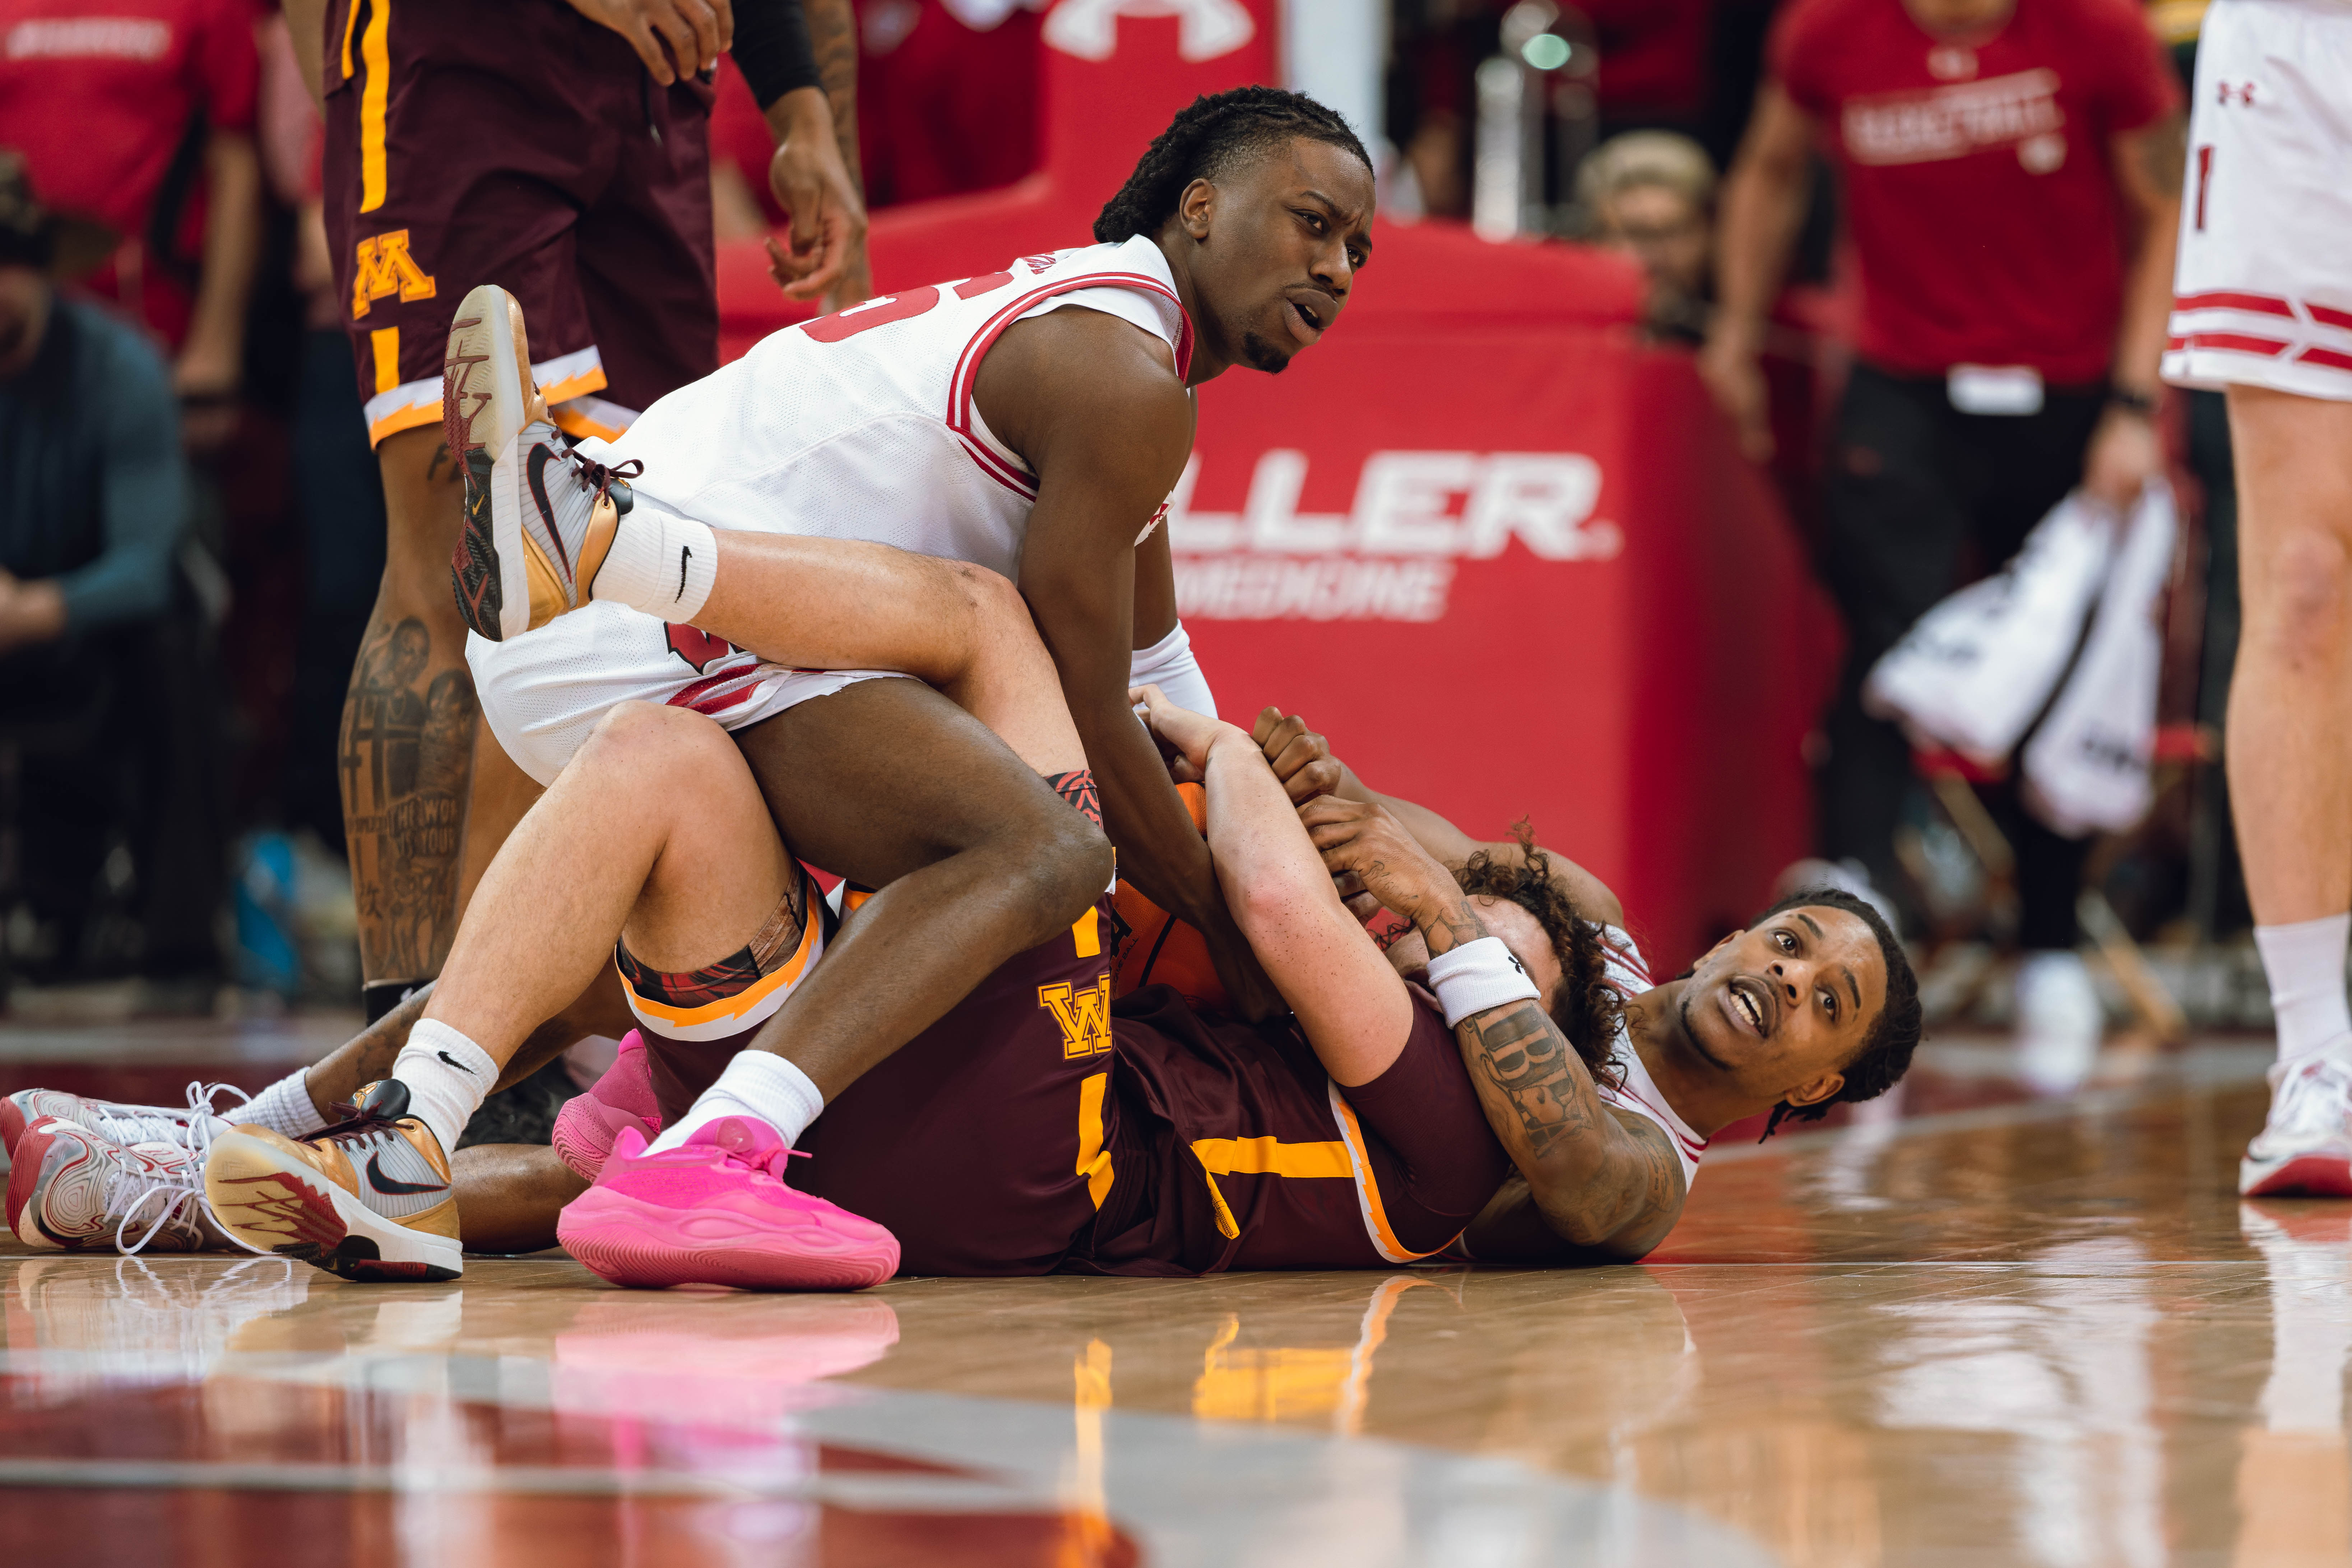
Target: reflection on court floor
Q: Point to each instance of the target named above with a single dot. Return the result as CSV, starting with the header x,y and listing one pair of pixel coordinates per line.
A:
x,y
2033,1334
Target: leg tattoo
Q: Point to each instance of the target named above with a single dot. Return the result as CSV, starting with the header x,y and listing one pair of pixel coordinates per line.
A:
x,y
407,758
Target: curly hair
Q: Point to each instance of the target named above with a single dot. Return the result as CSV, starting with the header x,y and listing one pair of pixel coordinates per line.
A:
x,y
1587,1008
1885,1054
1216,132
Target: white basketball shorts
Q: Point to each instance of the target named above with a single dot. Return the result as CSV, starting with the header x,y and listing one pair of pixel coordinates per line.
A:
x,y
2263,291
544,692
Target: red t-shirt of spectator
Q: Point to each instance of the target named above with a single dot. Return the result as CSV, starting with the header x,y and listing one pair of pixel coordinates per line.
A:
x,y
1986,223
99,95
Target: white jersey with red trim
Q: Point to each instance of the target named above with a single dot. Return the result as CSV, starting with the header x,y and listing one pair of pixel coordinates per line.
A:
x,y
856,425
1638,1093
862,425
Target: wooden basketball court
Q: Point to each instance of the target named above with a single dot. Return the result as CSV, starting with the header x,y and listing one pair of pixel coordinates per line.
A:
x,y
1988,1331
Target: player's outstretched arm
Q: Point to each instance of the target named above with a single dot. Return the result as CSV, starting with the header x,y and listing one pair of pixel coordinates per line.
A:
x,y
1095,406
1302,760
1601,1183
1351,1005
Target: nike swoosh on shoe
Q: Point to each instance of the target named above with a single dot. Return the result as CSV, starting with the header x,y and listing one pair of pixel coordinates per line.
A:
x,y
392,1188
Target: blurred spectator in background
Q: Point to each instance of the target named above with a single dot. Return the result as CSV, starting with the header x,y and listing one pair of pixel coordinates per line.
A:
x,y
105,682
1651,194
1653,62
337,491
140,113
2013,176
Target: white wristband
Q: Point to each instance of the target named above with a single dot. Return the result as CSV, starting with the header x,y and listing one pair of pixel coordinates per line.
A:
x,y
1168,664
1478,976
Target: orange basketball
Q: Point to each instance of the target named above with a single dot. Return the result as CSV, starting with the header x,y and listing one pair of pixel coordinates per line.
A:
x,y
1160,950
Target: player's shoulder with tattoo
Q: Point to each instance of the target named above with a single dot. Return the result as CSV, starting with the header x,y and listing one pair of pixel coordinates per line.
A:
x,y
1659,1167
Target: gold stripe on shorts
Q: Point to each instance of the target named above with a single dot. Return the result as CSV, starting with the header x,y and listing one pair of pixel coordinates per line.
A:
x,y
1094,1159
375,101
1266,1156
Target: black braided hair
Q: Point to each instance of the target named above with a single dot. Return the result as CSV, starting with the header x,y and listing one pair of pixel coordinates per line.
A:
x,y
1219,131
1886,1055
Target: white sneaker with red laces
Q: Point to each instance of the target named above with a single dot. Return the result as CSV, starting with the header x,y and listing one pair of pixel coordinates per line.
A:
x,y
2306,1146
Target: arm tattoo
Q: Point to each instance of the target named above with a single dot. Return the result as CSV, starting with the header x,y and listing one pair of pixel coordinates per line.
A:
x,y
367,1056
1601,1178
1655,1198
1522,1054
1451,915
832,37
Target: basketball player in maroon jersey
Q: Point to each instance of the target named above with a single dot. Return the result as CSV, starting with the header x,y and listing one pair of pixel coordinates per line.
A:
x,y
1039,1127
1036,1128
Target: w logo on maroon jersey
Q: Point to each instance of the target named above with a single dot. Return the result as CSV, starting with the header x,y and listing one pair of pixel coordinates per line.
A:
x,y
697,646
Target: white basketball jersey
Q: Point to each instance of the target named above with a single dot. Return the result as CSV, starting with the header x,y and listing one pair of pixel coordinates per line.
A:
x,y
858,426
862,426
1630,973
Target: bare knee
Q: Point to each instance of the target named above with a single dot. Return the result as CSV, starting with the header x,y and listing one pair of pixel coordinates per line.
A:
x,y
652,741
990,593
999,613
1058,864
2298,597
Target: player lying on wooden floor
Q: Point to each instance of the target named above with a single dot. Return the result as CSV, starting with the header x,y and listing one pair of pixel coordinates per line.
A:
x,y
1590,1135
1693,1055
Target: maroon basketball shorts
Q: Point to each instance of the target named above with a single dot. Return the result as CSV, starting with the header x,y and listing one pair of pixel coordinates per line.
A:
x,y
984,1143
1255,1159
525,146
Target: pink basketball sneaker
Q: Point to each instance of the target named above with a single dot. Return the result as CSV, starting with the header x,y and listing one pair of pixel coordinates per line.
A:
x,y
716,1212
622,1098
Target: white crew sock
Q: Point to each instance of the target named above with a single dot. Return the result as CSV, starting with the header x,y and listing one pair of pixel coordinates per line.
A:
x,y
660,562
758,1084
284,1106
2306,965
447,1076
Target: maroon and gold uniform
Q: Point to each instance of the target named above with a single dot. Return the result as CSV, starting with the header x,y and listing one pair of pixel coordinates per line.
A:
x,y
1248,1156
1041,1127
525,146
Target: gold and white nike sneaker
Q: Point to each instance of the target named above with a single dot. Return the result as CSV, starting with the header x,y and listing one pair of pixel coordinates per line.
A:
x,y
540,517
486,390
368,1198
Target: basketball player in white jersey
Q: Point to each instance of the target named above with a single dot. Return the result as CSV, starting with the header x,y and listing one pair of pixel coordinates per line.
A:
x,y
1032,420
2263,312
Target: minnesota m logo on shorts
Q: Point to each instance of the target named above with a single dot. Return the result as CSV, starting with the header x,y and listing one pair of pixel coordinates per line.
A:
x,y
1084,1015
386,268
